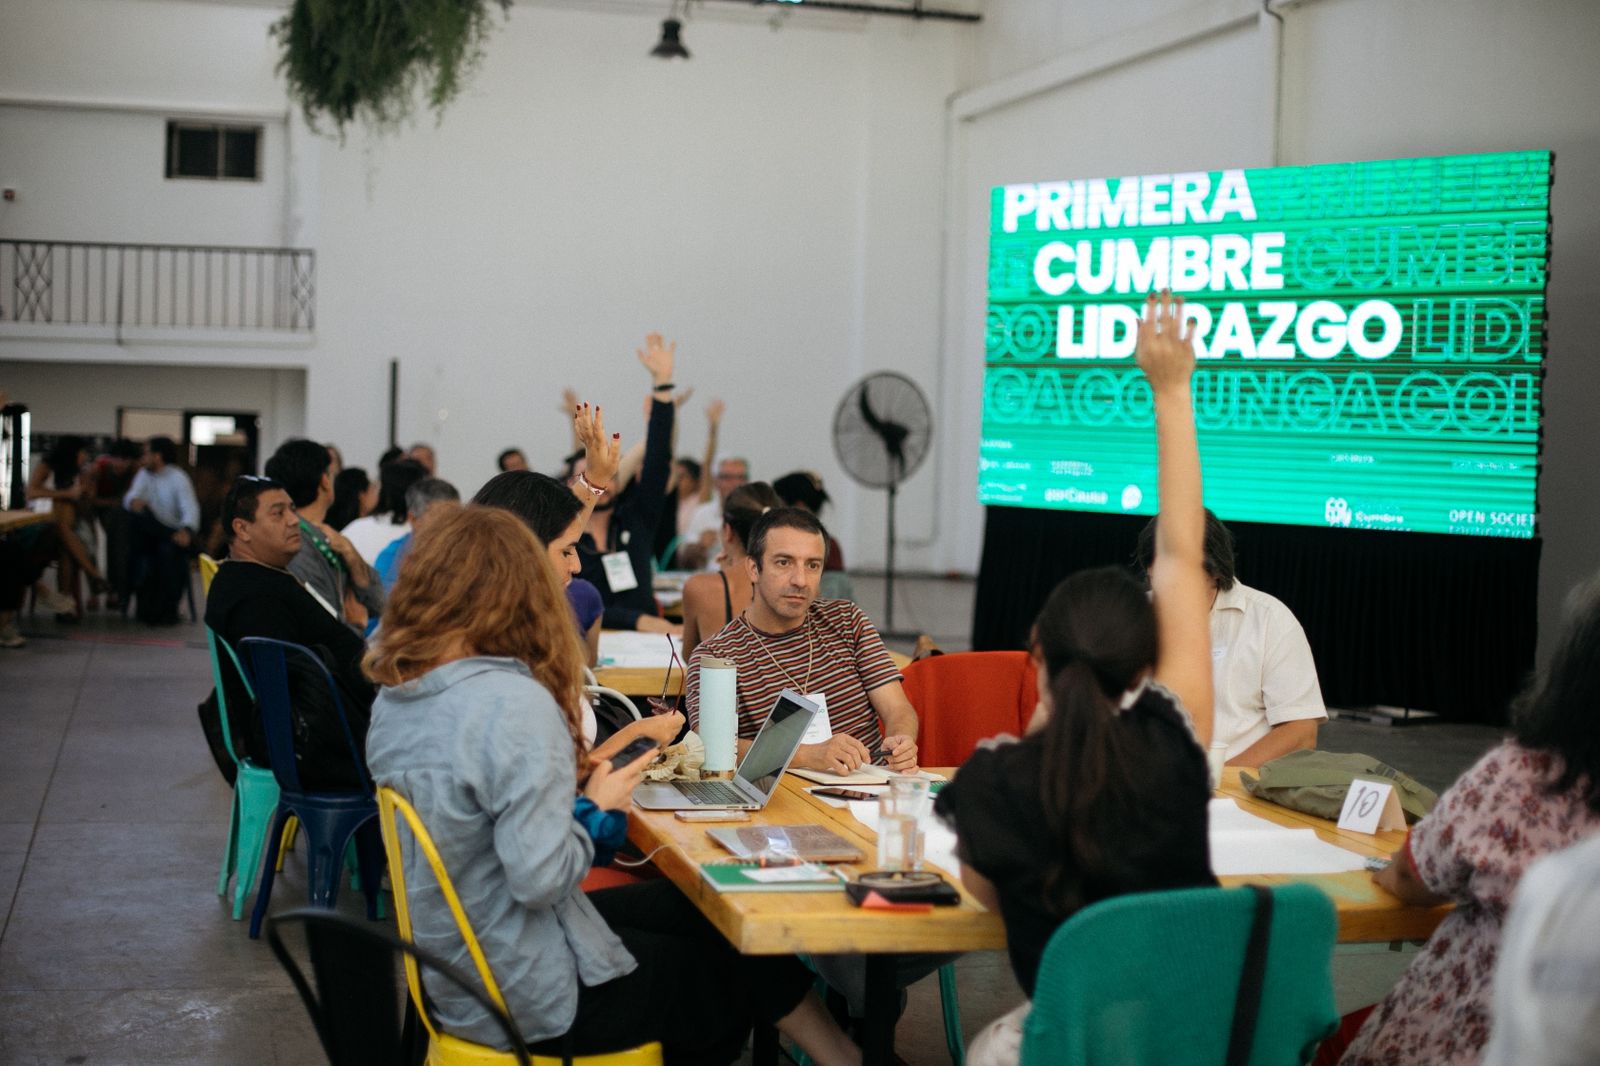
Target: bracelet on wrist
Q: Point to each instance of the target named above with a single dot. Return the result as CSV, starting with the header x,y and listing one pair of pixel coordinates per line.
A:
x,y
665,386
591,486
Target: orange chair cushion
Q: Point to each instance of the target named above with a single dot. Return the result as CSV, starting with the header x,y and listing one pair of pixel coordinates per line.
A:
x,y
965,697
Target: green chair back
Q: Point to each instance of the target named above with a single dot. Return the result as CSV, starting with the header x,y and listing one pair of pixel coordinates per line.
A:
x,y
255,794
1152,978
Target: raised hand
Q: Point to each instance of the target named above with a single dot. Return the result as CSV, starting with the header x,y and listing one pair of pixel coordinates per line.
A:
x,y
681,397
657,356
603,453
569,399
1166,342
714,411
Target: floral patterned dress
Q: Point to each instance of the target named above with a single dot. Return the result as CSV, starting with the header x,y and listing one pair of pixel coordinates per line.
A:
x,y
1472,847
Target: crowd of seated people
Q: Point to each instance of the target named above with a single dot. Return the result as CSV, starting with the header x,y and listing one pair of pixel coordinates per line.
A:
x,y
458,637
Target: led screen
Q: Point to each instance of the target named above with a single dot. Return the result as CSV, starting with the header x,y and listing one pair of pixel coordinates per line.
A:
x,y
1370,340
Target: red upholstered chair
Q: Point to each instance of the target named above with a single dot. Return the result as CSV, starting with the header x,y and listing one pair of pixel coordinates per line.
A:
x,y
607,877
964,697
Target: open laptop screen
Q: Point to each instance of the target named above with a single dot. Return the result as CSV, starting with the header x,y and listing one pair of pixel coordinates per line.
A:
x,y
775,745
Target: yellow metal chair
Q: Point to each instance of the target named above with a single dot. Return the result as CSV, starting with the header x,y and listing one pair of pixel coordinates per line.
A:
x,y
208,570
444,1049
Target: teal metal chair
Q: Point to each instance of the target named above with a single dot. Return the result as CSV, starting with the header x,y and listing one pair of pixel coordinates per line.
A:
x,y
1154,978
255,794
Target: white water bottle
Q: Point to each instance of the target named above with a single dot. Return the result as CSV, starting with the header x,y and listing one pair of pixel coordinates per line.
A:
x,y
719,713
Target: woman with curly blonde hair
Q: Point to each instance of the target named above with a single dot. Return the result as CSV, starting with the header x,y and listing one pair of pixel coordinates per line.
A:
x,y
478,725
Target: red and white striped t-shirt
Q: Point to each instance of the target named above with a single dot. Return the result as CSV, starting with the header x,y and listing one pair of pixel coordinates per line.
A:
x,y
836,651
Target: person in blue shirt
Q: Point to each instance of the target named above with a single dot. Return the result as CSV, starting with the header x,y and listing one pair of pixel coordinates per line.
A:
x,y
165,522
420,501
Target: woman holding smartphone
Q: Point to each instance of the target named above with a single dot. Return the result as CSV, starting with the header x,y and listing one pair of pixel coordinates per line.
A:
x,y
1113,768
478,725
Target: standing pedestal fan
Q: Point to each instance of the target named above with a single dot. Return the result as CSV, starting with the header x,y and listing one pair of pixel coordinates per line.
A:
x,y
881,433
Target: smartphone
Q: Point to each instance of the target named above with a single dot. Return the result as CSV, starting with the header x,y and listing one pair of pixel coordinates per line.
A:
x,y
1377,865
843,793
712,816
632,752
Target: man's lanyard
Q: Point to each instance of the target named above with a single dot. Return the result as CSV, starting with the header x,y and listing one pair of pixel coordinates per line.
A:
x,y
322,546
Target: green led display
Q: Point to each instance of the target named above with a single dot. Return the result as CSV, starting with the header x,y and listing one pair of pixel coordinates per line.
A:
x,y
1370,339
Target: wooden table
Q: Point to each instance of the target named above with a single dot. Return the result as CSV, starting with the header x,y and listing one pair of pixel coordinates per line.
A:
x,y
782,923
1366,912
14,520
818,923
644,681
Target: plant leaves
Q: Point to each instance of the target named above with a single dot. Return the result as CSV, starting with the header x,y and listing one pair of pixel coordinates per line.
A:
x,y
365,60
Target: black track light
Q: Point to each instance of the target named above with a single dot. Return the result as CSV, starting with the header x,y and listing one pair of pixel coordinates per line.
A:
x,y
671,45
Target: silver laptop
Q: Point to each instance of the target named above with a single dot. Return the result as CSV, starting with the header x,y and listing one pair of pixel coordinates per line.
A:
x,y
759,771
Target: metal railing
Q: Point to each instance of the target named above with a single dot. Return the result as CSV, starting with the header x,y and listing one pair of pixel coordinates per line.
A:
x,y
179,286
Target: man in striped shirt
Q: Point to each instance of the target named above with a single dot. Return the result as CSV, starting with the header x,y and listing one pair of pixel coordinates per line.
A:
x,y
825,649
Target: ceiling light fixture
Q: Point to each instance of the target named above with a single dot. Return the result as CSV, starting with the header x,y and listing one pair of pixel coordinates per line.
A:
x,y
671,44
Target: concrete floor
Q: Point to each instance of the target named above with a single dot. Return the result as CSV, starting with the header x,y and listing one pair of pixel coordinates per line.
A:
x,y
115,949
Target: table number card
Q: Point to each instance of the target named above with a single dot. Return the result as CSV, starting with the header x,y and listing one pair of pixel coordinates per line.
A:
x,y
1371,806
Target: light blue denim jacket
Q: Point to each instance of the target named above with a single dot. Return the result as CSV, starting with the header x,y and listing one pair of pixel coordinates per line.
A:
x,y
482,752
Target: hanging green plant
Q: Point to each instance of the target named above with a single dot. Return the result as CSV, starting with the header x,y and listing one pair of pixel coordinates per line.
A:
x,y
366,59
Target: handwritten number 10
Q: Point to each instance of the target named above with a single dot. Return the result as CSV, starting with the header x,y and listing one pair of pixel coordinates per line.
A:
x,y
1366,800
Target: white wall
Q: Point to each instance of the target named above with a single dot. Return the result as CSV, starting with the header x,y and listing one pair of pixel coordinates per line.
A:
x,y
1362,79
771,204
86,88
787,204
84,397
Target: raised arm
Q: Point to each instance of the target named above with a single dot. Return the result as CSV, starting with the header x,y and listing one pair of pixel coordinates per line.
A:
x,y
1181,589
603,454
658,357
714,411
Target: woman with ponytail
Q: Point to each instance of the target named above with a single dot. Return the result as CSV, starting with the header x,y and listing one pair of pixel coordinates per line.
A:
x,y
1107,793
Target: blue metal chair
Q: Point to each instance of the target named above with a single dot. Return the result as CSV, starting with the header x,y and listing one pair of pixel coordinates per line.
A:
x,y
331,820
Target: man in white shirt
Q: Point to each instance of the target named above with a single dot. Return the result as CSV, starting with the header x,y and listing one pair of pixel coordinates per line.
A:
x,y
165,522
1268,700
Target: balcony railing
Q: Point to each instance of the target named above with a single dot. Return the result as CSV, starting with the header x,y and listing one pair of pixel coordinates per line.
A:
x,y
166,286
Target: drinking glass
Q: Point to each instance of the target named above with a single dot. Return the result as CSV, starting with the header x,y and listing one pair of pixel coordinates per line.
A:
x,y
899,831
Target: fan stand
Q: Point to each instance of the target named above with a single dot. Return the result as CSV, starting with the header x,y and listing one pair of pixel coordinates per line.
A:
x,y
889,631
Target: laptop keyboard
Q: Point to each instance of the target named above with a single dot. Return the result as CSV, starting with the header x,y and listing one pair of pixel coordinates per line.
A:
x,y
710,792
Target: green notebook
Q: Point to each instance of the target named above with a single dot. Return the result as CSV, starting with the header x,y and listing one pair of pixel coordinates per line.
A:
x,y
749,877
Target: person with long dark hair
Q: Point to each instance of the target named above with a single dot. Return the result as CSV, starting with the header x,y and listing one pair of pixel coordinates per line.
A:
x,y
557,513
479,727
1535,793
355,495
1107,794
390,520
58,477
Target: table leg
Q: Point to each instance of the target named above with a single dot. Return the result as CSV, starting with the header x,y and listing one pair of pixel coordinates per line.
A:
x,y
882,1009
764,1045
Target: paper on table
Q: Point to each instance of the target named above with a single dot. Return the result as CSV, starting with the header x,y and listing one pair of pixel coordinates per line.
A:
x,y
1245,844
938,839
640,651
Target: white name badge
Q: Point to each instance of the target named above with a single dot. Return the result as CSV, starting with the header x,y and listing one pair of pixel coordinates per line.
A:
x,y
1370,806
619,572
820,728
